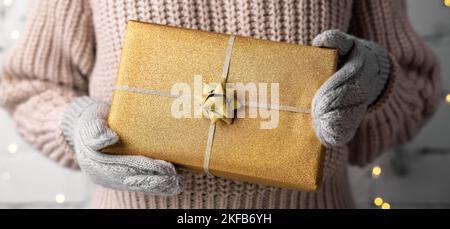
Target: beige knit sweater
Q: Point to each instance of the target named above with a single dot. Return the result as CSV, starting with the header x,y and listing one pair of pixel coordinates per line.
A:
x,y
72,48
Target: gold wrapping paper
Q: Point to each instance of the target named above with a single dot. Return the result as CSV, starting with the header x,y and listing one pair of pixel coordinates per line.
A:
x,y
156,57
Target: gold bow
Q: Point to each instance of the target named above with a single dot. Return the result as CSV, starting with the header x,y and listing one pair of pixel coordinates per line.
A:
x,y
215,103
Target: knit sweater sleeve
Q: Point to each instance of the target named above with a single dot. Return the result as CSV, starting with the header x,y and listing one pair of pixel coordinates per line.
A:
x,y
46,70
413,90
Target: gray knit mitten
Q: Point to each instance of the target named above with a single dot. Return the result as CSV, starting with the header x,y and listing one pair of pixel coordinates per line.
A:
x,y
85,128
340,104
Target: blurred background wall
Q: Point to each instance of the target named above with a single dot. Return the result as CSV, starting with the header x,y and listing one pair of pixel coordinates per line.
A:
x,y
411,176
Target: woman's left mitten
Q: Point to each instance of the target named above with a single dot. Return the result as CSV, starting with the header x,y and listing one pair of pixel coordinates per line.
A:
x,y
341,103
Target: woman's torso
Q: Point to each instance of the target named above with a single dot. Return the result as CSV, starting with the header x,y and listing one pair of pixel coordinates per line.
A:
x,y
293,21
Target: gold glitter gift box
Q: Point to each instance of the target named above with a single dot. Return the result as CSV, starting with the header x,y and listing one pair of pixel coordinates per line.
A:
x,y
156,57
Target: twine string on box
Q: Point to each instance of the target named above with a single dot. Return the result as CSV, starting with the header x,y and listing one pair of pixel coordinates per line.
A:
x,y
213,94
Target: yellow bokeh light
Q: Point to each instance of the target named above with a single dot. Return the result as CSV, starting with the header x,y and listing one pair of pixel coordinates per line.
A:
x,y
447,98
378,201
7,3
12,148
385,206
376,171
60,198
447,3
15,34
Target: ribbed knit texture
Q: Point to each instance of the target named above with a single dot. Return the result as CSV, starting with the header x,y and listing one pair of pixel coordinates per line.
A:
x,y
72,48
